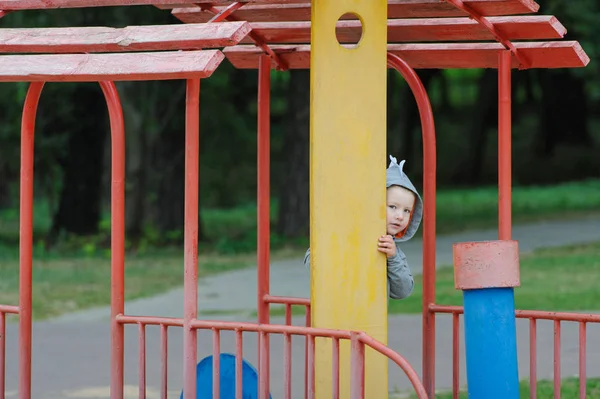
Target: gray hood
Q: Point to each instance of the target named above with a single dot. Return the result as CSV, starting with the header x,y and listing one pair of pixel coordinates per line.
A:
x,y
395,177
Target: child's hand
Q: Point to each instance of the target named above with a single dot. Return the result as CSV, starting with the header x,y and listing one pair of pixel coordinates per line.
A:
x,y
387,246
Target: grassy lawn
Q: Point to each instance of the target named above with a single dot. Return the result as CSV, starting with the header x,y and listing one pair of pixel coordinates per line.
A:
x,y
545,389
66,284
561,279
76,274
564,278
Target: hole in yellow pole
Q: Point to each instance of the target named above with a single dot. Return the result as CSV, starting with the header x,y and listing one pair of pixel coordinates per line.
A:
x,y
349,30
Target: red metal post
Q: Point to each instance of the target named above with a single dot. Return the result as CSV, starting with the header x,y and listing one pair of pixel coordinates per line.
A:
x,y
117,245
429,193
532,358
2,353
26,236
164,360
357,368
264,205
142,361
117,235
190,286
504,146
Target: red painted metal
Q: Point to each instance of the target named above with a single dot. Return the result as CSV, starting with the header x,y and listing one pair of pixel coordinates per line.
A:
x,y
267,329
533,316
117,236
26,236
486,264
357,367
238,363
190,306
263,212
498,35
310,358
287,364
556,359
397,9
226,12
117,244
418,30
257,39
109,67
455,356
216,377
504,146
533,357
271,299
164,362
582,358
429,204
2,354
142,361
9,309
130,38
52,4
551,54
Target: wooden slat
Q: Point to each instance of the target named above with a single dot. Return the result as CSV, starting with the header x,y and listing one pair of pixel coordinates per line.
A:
x,y
131,38
566,54
396,9
111,66
46,4
420,30
50,4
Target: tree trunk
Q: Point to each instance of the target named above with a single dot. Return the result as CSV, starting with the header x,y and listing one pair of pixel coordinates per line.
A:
x,y
294,210
564,112
484,114
79,208
135,206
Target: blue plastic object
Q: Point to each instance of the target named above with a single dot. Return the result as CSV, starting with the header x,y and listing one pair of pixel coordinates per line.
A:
x,y
204,376
491,343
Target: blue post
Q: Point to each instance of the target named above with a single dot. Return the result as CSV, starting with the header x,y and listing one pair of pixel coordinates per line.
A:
x,y
486,272
491,343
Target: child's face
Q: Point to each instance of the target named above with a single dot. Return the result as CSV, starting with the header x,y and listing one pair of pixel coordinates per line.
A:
x,y
400,202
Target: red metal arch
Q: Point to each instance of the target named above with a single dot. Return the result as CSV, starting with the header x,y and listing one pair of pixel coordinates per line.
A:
x,y
429,201
117,232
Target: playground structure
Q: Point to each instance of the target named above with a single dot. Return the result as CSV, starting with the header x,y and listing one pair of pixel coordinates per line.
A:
x,y
266,34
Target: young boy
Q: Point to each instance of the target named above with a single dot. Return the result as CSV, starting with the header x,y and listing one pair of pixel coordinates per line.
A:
x,y
404,211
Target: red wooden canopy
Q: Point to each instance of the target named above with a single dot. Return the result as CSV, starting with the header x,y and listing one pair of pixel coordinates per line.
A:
x,y
425,33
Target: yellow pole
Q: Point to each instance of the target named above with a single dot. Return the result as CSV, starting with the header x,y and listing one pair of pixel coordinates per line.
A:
x,y
347,187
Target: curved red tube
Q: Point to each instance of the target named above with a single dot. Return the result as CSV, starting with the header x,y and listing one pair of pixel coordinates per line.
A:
x,y
117,201
26,235
117,235
429,195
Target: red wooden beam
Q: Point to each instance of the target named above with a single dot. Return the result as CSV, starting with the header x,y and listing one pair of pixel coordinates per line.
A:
x,y
396,9
566,54
47,4
131,38
119,66
420,30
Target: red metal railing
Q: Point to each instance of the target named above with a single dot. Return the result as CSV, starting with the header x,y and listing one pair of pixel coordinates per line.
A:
x,y
4,310
358,341
533,316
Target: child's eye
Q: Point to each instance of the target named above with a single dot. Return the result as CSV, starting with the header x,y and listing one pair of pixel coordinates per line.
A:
x,y
392,207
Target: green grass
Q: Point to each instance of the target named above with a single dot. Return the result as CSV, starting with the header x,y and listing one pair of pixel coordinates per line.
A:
x,y
561,279
68,284
478,208
75,274
545,390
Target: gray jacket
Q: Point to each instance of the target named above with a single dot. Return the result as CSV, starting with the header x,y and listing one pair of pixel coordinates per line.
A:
x,y
400,282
